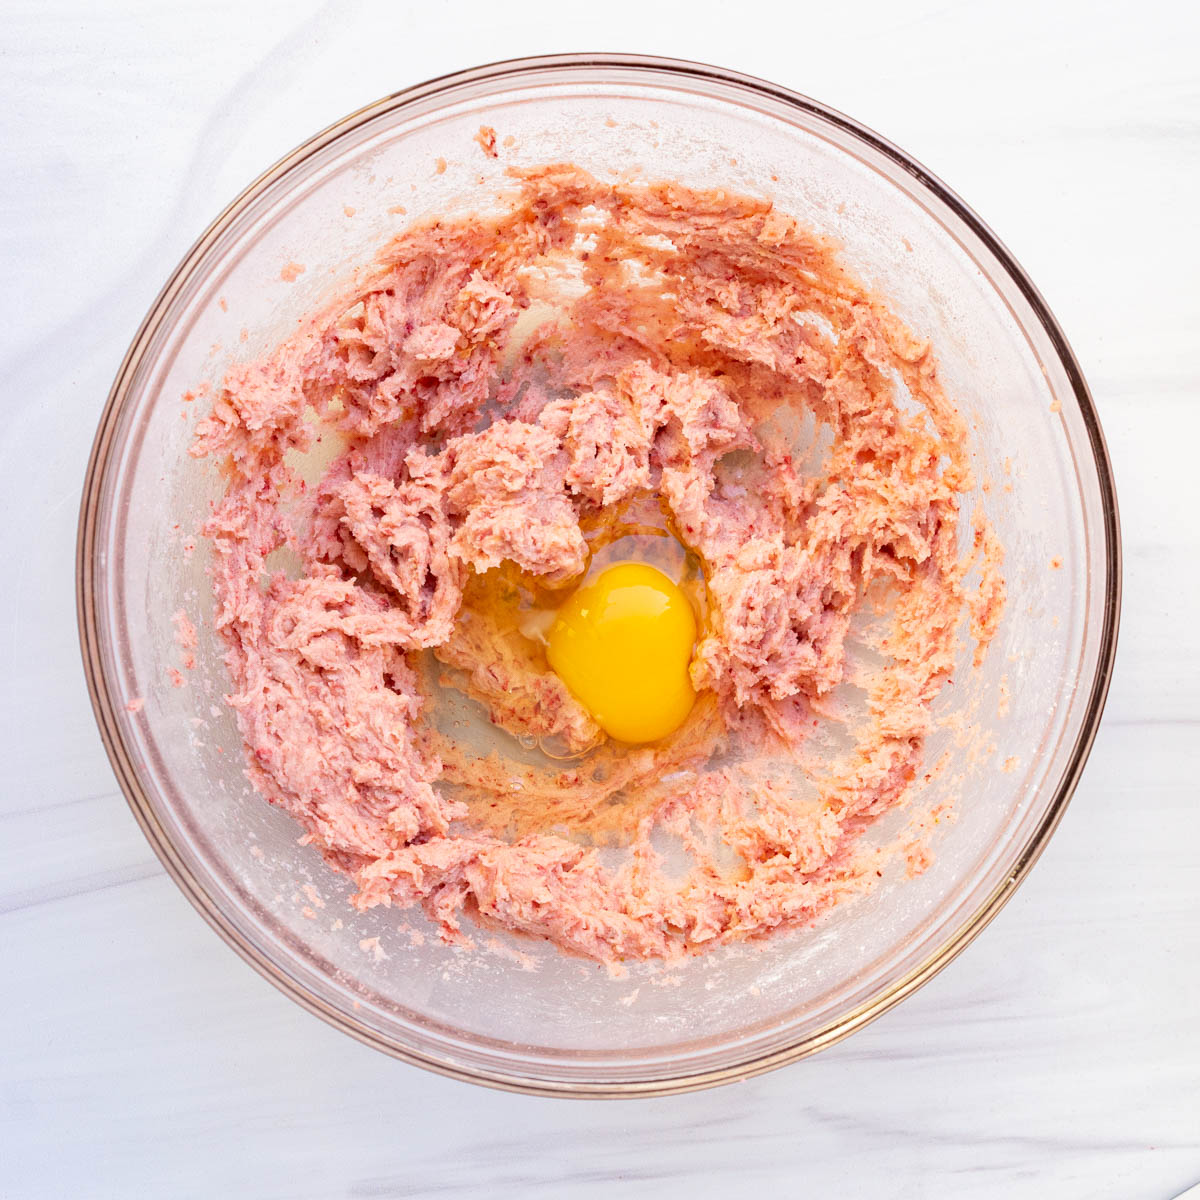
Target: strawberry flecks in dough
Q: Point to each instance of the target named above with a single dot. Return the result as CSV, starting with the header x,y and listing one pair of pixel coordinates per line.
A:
x,y
185,639
402,535
694,352
918,859
486,137
371,946
607,440
505,486
291,272
422,342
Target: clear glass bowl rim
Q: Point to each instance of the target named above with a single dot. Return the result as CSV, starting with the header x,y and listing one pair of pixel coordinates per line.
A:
x,y
105,704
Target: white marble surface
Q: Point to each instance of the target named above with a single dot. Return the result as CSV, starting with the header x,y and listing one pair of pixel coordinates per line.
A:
x,y
1059,1056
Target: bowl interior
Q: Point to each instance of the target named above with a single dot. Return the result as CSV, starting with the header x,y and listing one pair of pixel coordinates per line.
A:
x,y
516,1011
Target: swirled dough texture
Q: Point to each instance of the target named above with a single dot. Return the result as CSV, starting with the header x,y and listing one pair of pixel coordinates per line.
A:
x,y
695,353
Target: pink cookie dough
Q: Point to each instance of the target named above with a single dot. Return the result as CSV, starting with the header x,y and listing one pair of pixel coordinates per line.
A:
x,y
513,392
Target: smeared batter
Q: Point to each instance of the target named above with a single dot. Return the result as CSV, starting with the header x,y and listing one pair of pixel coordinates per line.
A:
x,y
689,362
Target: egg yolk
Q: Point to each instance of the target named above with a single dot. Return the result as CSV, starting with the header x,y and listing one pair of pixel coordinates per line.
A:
x,y
622,645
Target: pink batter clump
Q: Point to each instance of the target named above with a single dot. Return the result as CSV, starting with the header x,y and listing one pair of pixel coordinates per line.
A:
x,y
691,352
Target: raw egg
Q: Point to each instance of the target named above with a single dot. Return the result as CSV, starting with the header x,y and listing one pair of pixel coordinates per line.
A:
x,y
622,644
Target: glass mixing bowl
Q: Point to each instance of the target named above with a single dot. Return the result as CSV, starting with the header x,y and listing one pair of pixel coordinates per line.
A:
x,y
523,1015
